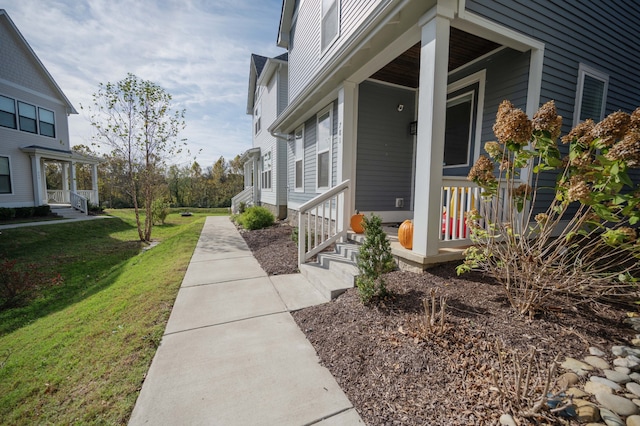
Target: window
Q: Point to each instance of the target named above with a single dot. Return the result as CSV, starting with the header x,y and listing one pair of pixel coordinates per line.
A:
x,y
266,171
323,147
47,123
27,119
591,95
7,112
299,159
330,23
458,127
256,120
5,176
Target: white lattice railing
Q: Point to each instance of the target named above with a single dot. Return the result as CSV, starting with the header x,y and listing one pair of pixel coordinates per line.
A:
x,y
246,197
79,202
322,221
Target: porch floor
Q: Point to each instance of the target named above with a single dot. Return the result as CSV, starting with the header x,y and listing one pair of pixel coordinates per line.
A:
x,y
409,260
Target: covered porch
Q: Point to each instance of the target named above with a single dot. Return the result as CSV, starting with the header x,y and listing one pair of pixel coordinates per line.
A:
x,y
68,191
453,70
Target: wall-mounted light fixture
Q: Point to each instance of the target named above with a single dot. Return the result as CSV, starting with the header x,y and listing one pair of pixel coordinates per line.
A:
x,y
413,128
400,107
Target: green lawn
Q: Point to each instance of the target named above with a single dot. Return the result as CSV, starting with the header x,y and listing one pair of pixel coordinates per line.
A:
x,y
79,353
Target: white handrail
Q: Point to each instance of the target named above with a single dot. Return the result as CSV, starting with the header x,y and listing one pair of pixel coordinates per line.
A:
x,y
245,196
322,221
79,202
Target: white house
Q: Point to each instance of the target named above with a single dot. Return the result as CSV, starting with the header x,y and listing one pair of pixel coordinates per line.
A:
x,y
266,162
34,129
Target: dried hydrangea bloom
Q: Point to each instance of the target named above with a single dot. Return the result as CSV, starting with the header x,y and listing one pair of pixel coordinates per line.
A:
x,y
578,189
542,218
472,218
629,234
582,161
494,150
581,134
505,164
482,171
628,149
634,122
512,125
547,119
521,191
612,128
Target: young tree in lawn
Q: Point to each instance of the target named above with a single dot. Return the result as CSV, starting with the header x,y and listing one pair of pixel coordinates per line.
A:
x,y
133,117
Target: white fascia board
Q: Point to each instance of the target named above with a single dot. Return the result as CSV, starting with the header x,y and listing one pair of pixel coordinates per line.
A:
x,y
286,17
252,87
269,68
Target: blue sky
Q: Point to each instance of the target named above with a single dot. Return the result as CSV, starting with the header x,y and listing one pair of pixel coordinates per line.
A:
x,y
197,50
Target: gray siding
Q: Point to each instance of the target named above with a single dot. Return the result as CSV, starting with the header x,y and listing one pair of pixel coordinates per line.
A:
x,y
280,169
385,147
600,34
283,88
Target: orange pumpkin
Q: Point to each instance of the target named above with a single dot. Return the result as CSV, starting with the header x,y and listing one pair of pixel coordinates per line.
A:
x,y
405,234
356,223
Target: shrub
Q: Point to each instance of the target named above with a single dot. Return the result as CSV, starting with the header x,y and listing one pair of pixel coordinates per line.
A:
x,y
95,208
25,212
584,243
256,217
160,210
374,260
42,211
242,207
7,213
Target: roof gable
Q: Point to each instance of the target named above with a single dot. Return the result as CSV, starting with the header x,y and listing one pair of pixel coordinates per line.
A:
x,y
25,68
260,67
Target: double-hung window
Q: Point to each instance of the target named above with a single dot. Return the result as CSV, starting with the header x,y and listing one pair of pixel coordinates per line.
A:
x,y
323,153
7,112
5,176
330,22
591,94
299,159
27,117
256,120
266,171
47,123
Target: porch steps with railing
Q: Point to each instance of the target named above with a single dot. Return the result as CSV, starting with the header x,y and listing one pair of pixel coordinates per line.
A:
x,y
66,211
334,272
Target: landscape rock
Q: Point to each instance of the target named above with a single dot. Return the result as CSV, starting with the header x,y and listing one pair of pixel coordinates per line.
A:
x,y
635,377
633,420
607,382
576,393
623,370
636,401
587,413
634,388
597,362
578,367
620,351
625,362
635,342
617,404
597,351
617,376
594,388
507,420
610,418
567,379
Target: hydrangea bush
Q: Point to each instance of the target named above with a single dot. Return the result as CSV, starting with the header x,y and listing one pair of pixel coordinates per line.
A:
x,y
582,239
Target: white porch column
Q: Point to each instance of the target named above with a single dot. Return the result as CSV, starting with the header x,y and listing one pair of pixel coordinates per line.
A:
x,y
256,183
74,186
94,183
65,176
39,191
347,140
432,104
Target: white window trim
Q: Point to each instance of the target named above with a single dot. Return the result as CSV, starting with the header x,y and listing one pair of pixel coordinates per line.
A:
x,y
333,40
298,156
584,70
480,78
470,137
38,120
11,181
328,109
266,175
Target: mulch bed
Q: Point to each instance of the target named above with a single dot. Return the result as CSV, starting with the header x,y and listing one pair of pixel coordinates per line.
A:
x,y
395,372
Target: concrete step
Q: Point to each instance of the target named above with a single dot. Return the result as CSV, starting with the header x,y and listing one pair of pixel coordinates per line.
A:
x,y
68,212
324,280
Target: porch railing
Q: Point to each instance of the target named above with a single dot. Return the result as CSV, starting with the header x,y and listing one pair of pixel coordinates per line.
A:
x,y
322,221
79,202
459,196
61,196
246,197
57,196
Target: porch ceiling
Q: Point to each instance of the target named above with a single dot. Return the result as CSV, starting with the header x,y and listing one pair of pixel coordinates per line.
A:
x,y
463,48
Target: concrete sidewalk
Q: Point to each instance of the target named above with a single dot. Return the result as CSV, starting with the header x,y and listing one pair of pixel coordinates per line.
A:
x,y
232,354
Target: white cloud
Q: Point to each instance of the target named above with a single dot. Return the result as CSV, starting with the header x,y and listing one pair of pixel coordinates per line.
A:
x,y
197,50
